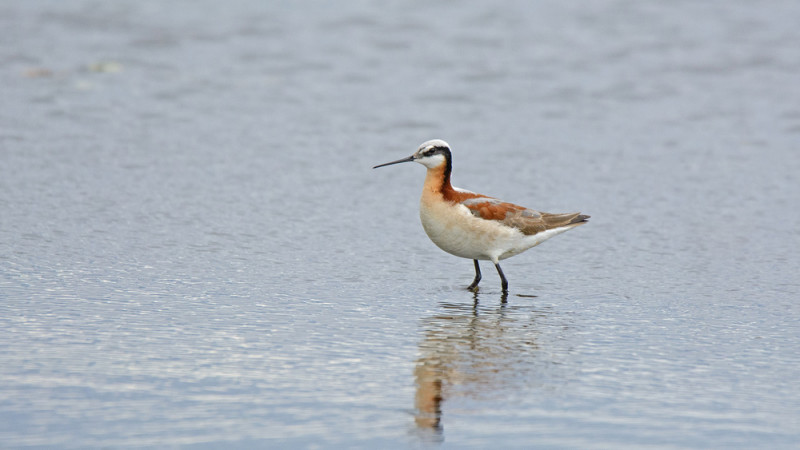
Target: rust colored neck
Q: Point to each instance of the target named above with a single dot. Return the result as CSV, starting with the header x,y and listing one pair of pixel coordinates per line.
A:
x,y
437,182
438,178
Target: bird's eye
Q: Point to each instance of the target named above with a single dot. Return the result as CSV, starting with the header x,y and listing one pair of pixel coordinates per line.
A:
x,y
428,152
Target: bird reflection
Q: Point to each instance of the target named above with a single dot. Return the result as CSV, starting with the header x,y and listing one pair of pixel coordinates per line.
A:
x,y
473,351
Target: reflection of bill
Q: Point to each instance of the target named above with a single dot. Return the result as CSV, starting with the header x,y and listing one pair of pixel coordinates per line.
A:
x,y
475,352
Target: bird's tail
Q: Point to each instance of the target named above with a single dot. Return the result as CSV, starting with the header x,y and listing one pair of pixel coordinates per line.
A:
x,y
564,220
580,218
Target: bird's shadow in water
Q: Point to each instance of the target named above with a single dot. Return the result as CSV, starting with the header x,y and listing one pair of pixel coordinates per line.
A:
x,y
474,351
503,295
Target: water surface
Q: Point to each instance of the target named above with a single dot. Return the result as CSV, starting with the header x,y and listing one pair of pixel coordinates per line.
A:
x,y
194,250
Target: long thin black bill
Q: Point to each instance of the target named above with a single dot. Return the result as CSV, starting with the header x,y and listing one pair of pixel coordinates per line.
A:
x,y
410,158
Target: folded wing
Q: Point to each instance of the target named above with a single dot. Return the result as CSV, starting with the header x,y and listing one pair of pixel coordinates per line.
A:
x,y
528,221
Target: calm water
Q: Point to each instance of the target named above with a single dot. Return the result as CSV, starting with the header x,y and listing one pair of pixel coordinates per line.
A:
x,y
194,250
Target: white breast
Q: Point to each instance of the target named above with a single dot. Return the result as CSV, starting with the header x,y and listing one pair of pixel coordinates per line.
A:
x,y
454,229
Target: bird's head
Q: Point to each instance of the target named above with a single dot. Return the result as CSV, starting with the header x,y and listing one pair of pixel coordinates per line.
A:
x,y
430,154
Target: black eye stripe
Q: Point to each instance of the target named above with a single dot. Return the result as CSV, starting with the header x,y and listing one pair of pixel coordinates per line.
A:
x,y
434,150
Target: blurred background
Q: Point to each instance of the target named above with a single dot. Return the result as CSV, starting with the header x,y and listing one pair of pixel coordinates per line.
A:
x,y
194,250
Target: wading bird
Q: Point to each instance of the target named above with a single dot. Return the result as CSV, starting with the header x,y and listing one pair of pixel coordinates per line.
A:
x,y
476,226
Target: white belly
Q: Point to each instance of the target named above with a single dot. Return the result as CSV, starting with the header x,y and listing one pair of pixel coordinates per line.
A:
x,y
455,230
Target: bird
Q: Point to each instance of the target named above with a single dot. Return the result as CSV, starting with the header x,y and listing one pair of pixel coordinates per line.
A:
x,y
475,226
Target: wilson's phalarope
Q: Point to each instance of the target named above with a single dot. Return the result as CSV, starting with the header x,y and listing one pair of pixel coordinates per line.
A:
x,y
476,226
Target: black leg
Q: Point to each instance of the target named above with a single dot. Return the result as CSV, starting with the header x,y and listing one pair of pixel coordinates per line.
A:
x,y
503,280
477,279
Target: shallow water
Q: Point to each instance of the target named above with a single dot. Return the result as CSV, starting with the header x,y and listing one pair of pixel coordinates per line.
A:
x,y
194,250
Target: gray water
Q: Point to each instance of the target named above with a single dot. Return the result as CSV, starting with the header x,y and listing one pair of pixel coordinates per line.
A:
x,y
195,251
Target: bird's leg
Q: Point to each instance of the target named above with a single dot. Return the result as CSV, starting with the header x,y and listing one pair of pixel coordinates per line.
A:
x,y
503,280
474,285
